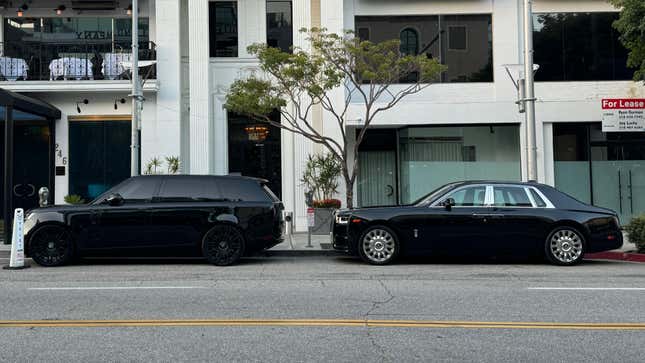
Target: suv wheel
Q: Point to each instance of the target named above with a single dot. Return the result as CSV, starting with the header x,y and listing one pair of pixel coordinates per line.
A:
x,y
51,246
565,246
378,245
223,245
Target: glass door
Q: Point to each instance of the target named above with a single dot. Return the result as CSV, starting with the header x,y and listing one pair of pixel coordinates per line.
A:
x,y
618,177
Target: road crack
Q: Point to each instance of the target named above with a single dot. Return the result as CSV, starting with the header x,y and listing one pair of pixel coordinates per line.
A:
x,y
375,305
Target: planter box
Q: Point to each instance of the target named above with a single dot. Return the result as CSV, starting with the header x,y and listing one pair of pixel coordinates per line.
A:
x,y
323,221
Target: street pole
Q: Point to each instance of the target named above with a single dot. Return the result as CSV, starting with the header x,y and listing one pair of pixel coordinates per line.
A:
x,y
136,92
530,91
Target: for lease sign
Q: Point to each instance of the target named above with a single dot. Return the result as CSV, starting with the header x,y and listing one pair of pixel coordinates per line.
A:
x,y
623,114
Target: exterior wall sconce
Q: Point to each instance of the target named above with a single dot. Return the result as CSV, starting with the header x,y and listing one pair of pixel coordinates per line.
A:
x,y
59,10
21,10
78,107
128,10
121,101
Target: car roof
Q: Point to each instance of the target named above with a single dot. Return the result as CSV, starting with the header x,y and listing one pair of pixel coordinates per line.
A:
x,y
493,182
189,176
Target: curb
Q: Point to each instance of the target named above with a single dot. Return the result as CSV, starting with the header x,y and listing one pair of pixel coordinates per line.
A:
x,y
299,253
617,256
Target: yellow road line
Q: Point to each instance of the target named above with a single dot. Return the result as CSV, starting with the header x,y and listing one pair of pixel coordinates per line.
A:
x,y
437,324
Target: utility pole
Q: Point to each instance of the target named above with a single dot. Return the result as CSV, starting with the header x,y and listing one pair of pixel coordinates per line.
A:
x,y
530,91
136,95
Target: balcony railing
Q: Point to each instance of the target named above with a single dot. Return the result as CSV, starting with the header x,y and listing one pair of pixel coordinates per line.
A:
x,y
70,61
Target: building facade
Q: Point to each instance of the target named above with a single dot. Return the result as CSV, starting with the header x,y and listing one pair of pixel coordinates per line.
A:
x,y
465,126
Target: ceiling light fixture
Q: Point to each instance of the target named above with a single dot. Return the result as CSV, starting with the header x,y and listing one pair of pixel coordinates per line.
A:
x,y
59,10
128,10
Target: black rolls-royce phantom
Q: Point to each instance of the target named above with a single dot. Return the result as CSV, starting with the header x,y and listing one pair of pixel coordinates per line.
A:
x,y
480,218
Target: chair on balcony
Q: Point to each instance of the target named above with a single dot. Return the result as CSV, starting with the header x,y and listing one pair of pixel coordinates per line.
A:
x,y
112,64
11,69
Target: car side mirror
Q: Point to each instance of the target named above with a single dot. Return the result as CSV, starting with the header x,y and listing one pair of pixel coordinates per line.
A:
x,y
114,199
448,203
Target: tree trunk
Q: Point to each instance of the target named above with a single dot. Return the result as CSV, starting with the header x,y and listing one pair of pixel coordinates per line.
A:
x,y
349,189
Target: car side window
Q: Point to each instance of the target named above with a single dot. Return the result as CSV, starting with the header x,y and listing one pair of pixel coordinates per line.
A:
x,y
242,190
538,200
474,196
188,190
508,196
138,190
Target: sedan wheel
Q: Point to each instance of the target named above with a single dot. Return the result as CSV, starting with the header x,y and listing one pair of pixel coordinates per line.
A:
x,y
51,246
379,246
565,246
223,245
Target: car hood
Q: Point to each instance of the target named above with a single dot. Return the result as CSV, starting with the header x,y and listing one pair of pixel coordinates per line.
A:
x,y
57,208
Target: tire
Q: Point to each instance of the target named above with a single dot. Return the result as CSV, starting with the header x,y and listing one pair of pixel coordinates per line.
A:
x,y
378,245
223,245
51,245
565,246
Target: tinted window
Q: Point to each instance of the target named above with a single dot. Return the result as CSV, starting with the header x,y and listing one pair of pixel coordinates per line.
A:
x,y
279,25
538,200
578,47
242,190
138,189
474,196
511,197
223,28
189,189
462,42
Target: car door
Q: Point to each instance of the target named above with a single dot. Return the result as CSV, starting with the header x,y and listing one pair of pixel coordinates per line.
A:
x,y
127,226
518,223
181,210
462,229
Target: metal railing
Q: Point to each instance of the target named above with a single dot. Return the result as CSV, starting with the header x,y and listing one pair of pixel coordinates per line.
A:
x,y
70,61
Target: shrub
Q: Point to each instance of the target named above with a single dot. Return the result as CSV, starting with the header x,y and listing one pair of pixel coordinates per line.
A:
x,y
74,199
327,203
636,231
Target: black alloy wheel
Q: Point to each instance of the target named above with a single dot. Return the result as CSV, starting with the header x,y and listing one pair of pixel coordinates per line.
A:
x,y
223,245
51,246
565,246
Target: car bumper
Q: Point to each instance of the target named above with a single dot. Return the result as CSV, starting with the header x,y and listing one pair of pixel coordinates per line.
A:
x,y
606,242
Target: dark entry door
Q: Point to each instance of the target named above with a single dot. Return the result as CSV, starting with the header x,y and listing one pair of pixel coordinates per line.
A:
x,y
31,164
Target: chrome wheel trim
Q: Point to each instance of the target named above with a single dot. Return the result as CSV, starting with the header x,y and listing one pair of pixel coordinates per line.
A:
x,y
566,245
378,245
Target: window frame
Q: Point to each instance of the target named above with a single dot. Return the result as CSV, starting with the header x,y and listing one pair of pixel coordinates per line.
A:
x,y
487,196
489,199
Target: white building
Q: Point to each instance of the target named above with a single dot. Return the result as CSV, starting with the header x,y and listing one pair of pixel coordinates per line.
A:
x,y
465,127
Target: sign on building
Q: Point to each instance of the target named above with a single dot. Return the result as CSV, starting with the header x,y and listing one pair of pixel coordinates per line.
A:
x,y
623,114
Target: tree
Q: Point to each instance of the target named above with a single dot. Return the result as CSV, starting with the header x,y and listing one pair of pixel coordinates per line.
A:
x,y
631,25
294,83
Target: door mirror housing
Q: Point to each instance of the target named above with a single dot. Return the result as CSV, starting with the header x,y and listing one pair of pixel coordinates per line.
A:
x,y
448,203
114,199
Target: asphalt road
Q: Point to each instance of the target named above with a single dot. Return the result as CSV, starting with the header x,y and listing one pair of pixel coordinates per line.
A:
x,y
323,309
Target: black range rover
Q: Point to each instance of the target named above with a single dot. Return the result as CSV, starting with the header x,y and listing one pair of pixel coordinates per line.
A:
x,y
221,218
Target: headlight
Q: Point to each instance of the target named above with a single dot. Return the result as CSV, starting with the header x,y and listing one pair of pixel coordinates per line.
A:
x,y
343,219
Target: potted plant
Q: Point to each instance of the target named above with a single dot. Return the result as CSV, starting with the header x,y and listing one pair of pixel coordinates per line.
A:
x,y
321,180
636,232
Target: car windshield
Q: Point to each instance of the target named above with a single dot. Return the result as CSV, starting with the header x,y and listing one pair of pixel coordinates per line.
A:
x,y
102,197
428,198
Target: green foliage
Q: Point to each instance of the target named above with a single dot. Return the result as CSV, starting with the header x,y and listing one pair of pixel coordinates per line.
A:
x,y
155,165
74,199
636,231
631,25
321,175
295,83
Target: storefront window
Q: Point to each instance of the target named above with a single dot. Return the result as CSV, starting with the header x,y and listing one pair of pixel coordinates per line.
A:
x,y
462,42
433,156
279,25
606,169
223,28
579,47
99,156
